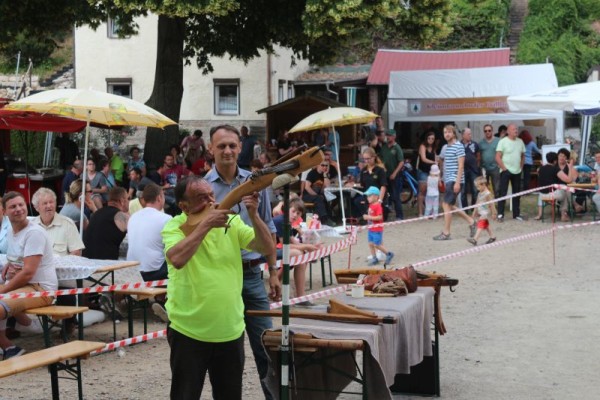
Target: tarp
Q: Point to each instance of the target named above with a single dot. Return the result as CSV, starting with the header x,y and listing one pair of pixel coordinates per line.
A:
x,y
27,121
583,98
474,94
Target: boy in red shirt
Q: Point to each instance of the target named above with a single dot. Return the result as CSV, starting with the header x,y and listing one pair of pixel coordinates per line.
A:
x,y
375,216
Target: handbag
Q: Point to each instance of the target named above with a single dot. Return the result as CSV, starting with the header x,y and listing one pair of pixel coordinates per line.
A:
x,y
441,186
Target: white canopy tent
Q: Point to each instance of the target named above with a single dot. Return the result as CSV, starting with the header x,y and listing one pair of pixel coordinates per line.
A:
x,y
583,98
475,94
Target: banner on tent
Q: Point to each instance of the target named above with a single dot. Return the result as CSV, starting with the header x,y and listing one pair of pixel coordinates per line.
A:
x,y
474,105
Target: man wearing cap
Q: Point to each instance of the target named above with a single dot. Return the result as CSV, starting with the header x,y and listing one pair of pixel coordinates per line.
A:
x,y
393,159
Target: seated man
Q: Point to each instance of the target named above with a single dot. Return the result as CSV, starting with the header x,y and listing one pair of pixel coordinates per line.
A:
x,y
107,227
552,174
29,267
297,248
61,230
314,191
145,241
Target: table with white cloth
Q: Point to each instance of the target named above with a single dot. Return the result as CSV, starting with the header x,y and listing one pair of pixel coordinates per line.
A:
x,y
390,351
347,193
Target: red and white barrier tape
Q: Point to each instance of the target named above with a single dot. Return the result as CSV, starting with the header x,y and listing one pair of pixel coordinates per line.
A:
x,y
573,189
499,243
87,290
128,342
312,296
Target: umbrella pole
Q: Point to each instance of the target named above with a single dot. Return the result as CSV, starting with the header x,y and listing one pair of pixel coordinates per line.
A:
x,y
337,156
586,129
84,178
284,390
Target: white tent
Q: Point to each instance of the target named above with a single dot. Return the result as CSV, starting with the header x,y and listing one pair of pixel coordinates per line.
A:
x,y
583,98
475,94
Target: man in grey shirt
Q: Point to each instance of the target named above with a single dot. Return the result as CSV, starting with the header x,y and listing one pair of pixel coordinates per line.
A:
x,y
223,178
487,149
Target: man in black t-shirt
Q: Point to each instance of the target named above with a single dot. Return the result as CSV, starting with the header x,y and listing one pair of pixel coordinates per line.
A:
x,y
314,191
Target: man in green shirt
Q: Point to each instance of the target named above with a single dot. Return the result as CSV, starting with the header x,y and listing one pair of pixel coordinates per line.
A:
x,y
487,147
510,156
116,165
205,307
393,159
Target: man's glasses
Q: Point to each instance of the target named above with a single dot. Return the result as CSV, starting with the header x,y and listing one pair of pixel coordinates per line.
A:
x,y
487,130
324,165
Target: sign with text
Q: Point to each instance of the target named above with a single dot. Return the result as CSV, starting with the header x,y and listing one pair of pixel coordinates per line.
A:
x,y
471,105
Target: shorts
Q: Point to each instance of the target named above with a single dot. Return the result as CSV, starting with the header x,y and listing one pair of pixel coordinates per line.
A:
x,y
483,223
376,238
449,195
422,176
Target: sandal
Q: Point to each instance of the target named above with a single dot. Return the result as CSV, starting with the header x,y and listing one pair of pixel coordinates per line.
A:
x,y
442,236
491,240
472,241
539,217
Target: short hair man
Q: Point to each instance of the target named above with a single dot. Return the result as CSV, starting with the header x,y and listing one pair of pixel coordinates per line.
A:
x,y
70,177
510,156
393,158
224,177
247,151
205,306
61,230
487,149
29,267
107,227
472,170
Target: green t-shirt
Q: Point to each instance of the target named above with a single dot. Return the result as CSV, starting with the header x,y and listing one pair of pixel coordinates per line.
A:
x,y
117,167
391,157
205,295
511,150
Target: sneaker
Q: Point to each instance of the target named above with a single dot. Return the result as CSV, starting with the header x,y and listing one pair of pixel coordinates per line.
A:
x,y
34,328
521,218
500,218
13,351
160,312
373,262
442,236
472,229
491,240
472,241
389,257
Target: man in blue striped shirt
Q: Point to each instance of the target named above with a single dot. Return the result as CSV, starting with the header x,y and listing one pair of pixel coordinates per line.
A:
x,y
454,163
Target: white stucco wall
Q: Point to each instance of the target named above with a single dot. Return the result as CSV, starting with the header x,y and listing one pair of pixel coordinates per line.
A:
x,y
98,57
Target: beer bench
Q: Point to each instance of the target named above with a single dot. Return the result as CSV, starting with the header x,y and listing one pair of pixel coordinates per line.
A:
x,y
139,299
56,315
53,358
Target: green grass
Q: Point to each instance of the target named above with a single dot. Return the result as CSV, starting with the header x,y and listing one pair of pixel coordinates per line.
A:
x,y
62,56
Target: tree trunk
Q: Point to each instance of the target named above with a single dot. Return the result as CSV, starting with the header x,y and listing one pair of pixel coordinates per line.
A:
x,y
168,87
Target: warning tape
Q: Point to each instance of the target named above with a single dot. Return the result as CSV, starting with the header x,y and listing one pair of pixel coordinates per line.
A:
x,y
128,342
499,243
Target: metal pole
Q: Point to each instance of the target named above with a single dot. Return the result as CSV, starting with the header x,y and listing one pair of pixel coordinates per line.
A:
x,y
17,72
84,174
284,390
337,162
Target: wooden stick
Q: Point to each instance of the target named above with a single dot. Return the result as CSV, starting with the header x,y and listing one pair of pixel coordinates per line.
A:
x,y
337,307
320,343
360,319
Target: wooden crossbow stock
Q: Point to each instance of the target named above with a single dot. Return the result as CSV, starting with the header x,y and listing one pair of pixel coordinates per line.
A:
x,y
282,172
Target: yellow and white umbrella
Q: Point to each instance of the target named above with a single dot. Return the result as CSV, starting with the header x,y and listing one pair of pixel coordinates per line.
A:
x,y
330,118
94,107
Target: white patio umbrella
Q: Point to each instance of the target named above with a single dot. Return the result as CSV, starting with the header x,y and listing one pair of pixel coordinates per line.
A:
x,y
330,118
583,98
94,107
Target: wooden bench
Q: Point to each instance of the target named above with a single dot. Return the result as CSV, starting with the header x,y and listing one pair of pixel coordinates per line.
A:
x,y
139,299
53,357
57,313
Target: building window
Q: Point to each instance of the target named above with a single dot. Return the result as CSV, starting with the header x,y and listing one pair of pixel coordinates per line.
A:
x,y
119,86
113,28
281,91
227,96
290,94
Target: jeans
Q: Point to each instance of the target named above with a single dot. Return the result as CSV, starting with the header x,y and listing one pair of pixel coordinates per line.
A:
x,y
319,202
515,182
494,175
395,188
255,298
469,187
526,176
190,359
